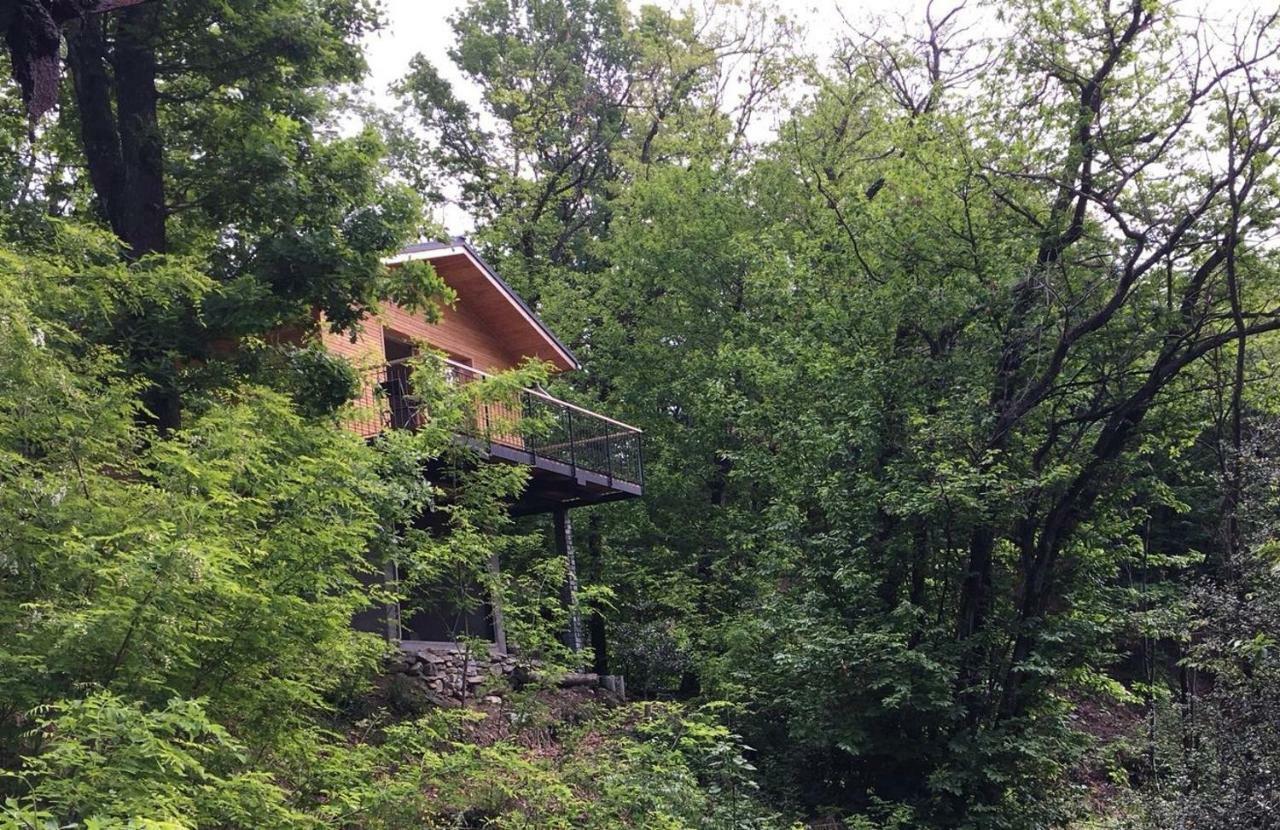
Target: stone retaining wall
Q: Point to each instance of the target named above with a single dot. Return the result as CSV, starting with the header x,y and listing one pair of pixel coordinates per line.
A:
x,y
448,676
454,675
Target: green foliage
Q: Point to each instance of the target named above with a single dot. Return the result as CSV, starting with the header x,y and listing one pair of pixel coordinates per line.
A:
x,y
947,390
283,213
936,386
578,96
223,563
1212,736
321,382
635,766
113,764
176,613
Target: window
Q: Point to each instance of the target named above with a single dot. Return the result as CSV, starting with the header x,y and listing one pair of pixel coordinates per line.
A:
x,y
397,346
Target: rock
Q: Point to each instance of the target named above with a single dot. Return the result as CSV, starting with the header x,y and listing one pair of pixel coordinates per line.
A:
x,y
401,662
443,701
578,679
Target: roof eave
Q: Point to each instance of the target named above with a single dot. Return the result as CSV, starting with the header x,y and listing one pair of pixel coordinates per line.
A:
x,y
459,246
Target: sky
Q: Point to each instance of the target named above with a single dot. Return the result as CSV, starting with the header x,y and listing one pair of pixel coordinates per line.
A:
x,y
413,26
422,26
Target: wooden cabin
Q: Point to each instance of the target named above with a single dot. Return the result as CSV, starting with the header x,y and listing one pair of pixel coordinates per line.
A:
x,y
577,457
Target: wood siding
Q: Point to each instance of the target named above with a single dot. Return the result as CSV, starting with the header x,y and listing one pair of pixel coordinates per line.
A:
x,y
486,328
460,333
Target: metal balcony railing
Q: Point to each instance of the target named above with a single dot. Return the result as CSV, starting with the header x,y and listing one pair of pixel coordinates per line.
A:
x,y
527,420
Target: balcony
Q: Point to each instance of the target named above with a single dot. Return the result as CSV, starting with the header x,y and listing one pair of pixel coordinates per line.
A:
x,y
577,457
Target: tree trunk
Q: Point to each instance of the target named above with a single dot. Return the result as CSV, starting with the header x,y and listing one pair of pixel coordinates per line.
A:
x,y
563,531
32,36
87,59
142,208
975,591
115,89
113,69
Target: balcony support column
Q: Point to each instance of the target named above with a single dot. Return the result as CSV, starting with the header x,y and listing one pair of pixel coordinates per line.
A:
x,y
569,593
391,579
495,603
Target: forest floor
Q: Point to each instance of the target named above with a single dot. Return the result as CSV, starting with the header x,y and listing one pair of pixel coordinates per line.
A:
x,y
1117,730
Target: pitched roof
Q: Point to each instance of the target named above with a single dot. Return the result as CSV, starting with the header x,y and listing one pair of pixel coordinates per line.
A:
x,y
458,247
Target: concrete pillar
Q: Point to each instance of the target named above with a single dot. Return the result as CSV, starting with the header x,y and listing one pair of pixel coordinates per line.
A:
x,y
495,604
391,575
569,594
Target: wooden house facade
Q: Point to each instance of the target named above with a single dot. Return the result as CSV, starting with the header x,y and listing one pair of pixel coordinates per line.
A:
x,y
578,457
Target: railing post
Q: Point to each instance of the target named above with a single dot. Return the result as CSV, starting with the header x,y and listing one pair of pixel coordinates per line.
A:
x,y
528,440
573,445
527,413
608,453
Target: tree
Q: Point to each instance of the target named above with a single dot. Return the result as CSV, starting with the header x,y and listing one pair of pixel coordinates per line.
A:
x,y
175,621
583,104
1037,281
935,356
954,394
576,95
32,34
172,109
177,640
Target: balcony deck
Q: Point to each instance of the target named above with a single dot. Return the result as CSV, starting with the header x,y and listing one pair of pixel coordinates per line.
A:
x,y
577,457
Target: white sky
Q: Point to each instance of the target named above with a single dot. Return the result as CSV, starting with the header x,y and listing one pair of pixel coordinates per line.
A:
x,y
415,26
422,26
